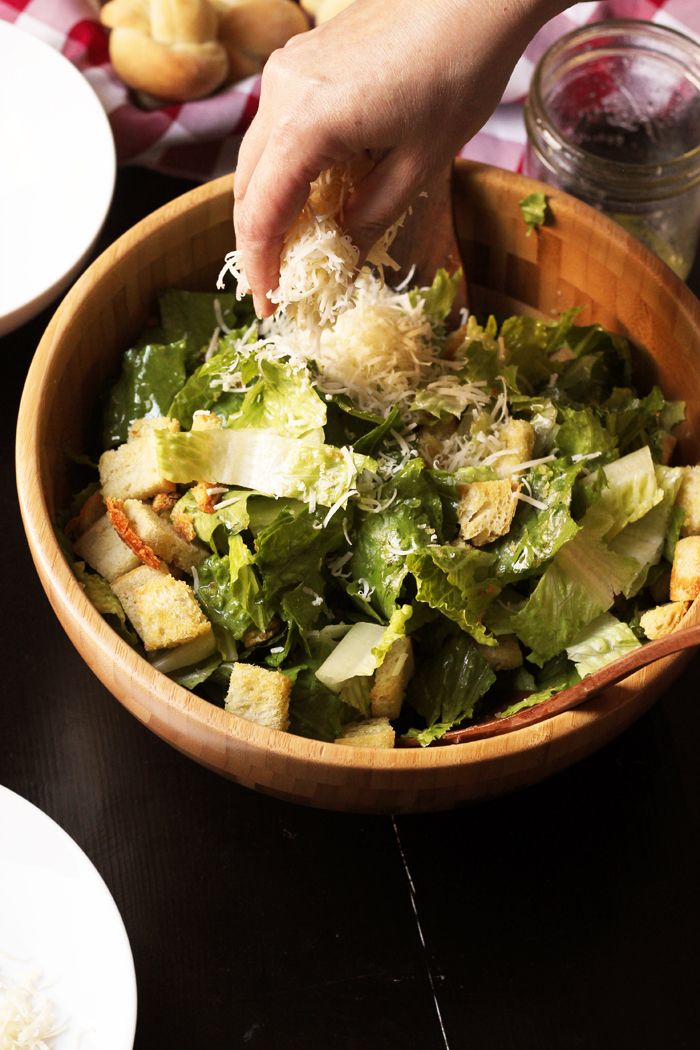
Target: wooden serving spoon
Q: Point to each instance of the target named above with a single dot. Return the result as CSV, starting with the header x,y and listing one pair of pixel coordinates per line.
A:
x,y
427,240
576,694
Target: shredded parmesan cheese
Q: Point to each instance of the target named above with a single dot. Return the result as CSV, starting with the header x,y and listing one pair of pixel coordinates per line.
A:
x,y
27,1018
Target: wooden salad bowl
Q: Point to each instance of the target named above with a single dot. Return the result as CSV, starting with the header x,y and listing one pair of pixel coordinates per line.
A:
x,y
580,258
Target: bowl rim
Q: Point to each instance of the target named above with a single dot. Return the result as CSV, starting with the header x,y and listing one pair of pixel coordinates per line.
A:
x,y
160,696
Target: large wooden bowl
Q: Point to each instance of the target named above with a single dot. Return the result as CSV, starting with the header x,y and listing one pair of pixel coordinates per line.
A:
x,y
580,258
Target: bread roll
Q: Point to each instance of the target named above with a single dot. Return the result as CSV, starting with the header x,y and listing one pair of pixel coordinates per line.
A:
x,y
166,48
250,30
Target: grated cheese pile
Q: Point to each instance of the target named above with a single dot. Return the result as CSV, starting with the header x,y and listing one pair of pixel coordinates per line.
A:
x,y
27,1019
318,264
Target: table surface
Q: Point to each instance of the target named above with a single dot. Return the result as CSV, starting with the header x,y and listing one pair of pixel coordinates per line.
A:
x,y
563,917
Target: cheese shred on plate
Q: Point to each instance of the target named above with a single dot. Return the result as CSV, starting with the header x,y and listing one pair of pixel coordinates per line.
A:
x,y
27,1018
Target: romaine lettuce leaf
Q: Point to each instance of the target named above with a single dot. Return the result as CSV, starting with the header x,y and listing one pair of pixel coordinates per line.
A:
x,y
194,316
576,587
602,641
459,583
534,210
150,378
438,298
631,490
233,517
644,539
383,540
203,390
537,535
447,687
230,592
315,711
262,460
291,549
582,433
282,400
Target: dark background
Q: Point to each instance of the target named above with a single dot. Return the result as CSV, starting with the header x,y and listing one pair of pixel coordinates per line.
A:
x,y
565,916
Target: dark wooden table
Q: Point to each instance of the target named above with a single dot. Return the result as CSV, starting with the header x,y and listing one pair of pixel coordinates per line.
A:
x,y
566,916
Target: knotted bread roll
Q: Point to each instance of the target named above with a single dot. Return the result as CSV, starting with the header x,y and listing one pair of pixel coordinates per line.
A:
x,y
166,48
251,30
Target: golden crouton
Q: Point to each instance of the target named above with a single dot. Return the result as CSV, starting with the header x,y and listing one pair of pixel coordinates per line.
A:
x,y
125,530
688,500
161,537
164,611
519,436
486,510
505,656
164,502
664,619
183,524
203,420
131,471
371,732
391,678
144,427
260,696
103,550
685,571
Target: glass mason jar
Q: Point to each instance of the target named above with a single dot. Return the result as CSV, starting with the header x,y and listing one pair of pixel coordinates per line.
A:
x,y
613,117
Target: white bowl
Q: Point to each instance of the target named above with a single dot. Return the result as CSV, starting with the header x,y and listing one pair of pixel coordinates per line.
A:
x,y
56,177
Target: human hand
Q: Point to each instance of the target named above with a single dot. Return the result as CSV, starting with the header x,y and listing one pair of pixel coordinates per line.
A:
x,y
406,80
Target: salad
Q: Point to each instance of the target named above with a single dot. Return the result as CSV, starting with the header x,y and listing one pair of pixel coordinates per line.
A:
x,y
361,522
356,548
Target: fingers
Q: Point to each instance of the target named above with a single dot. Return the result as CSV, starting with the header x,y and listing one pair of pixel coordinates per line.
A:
x,y
274,195
383,196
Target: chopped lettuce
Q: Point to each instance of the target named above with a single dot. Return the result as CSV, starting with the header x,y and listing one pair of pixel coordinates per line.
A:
x,y
439,297
361,651
537,535
282,400
576,587
602,641
230,593
459,583
150,378
232,516
262,460
449,684
194,316
534,210
644,540
204,391
630,491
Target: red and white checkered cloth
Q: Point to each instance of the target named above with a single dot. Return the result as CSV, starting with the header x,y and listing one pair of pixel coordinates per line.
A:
x,y
200,140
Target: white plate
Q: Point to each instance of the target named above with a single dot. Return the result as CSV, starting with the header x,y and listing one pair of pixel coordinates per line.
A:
x,y
57,918
56,176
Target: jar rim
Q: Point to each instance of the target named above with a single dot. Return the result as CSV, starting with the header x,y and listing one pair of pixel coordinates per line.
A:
x,y
536,109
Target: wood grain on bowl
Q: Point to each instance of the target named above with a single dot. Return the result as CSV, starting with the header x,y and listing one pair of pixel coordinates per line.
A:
x,y
578,258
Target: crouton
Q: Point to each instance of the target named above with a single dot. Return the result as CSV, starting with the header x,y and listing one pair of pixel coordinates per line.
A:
x,y
126,532
103,550
688,499
519,436
391,678
664,619
371,732
164,611
203,420
260,696
161,538
685,571
486,510
206,501
505,656
131,471
183,525
149,424
164,502
90,512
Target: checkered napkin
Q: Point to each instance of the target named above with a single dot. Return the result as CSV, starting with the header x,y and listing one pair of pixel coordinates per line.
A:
x,y
200,140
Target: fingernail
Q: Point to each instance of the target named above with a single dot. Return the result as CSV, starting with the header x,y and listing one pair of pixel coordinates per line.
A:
x,y
259,303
